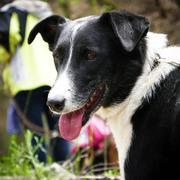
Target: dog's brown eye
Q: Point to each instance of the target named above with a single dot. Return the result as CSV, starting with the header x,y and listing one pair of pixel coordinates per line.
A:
x,y
91,55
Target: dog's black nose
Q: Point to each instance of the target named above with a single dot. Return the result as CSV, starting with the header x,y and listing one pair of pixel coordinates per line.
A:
x,y
56,105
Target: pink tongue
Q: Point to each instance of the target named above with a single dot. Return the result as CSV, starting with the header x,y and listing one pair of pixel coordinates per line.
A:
x,y
70,124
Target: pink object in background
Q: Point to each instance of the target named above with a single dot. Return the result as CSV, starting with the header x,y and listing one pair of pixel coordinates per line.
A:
x,y
93,135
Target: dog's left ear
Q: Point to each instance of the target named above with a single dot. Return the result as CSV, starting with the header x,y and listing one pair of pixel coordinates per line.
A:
x,y
48,28
128,27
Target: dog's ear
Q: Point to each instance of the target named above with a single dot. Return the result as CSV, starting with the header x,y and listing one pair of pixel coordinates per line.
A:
x,y
48,28
128,27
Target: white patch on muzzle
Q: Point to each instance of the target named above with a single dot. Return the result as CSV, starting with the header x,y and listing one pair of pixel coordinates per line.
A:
x,y
63,90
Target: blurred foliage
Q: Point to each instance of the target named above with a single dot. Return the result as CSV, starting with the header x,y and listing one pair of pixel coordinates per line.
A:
x,y
161,13
21,159
77,8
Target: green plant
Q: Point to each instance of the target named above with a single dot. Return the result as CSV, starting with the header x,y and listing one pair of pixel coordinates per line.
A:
x,y
111,173
22,159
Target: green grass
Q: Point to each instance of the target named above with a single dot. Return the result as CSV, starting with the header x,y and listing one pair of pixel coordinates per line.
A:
x,y
22,161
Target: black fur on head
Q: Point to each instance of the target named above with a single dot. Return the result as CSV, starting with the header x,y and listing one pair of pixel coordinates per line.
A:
x,y
128,27
128,51
116,42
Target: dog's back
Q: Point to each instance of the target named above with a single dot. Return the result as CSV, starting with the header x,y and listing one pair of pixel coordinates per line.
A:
x,y
155,148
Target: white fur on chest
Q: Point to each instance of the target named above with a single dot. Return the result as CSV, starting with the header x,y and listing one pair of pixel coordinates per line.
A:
x,y
118,121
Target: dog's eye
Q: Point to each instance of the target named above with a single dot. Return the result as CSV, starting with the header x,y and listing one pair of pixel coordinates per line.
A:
x,y
91,55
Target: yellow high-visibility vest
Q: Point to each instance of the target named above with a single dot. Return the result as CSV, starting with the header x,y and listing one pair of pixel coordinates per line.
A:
x,y
30,66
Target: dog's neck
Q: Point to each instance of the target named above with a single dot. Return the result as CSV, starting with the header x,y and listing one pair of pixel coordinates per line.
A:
x,y
149,78
119,116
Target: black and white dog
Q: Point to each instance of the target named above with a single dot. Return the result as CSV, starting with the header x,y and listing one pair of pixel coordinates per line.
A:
x,y
112,63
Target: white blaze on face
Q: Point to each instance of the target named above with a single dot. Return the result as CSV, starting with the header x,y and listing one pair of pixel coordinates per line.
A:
x,y
64,87
62,90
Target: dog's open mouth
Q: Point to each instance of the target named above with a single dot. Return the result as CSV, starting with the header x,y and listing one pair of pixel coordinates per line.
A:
x,y
70,124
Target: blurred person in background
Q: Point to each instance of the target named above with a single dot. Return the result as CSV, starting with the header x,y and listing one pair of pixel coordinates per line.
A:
x,y
28,74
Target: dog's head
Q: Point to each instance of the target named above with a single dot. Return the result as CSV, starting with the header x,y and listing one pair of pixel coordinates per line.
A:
x,y
98,59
